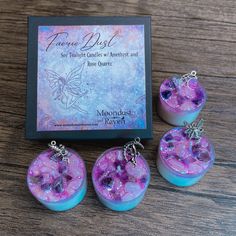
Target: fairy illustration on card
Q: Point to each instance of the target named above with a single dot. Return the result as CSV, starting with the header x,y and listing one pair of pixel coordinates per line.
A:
x,y
69,89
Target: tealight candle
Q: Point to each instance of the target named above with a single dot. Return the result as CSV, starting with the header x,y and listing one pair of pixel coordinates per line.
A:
x,y
181,99
120,185
184,159
57,180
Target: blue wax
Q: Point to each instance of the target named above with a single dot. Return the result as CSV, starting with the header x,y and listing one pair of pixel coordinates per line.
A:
x,y
69,203
121,205
176,179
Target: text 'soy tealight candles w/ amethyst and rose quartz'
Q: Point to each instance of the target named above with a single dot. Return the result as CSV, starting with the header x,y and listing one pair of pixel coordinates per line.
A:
x,y
184,155
120,184
57,178
180,99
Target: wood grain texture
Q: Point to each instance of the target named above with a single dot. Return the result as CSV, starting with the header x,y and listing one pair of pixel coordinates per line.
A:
x,y
187,35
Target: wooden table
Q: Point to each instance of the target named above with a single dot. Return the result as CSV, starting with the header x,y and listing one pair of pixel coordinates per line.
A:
x,y
186,35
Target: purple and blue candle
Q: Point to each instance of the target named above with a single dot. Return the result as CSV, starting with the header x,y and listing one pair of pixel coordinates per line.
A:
x,y
181,99
58,184
120,185
183,161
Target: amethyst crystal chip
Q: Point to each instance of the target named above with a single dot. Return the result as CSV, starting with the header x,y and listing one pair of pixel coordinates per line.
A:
x,y
124,177
143,179
46,186
199,94
58,185
166,94
170,145
168,137
120,165
197,101
170,84
196,149
68,178
180,99
62,168
107,182
204,156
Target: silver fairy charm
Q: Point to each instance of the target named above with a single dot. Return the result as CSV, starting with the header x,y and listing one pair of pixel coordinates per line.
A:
x,y
130,152
187,77
179,81
194,130
59,151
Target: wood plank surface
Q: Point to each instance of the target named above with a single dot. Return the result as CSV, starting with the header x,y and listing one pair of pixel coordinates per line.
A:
x,y
186,35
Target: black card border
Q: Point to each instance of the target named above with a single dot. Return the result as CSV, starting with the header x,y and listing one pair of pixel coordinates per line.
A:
x,y
31,109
